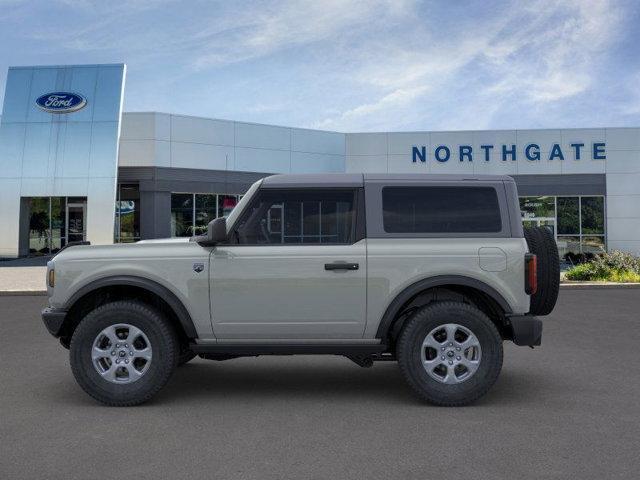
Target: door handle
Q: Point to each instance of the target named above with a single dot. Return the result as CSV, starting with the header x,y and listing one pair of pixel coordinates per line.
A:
x,y
341,266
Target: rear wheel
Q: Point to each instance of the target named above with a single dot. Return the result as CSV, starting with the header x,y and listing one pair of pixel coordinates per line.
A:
x,y
450,353
123,353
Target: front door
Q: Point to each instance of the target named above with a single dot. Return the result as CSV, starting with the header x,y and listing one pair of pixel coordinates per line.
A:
x,y
76,216
294,268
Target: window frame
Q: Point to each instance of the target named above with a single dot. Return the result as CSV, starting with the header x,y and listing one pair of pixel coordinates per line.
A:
x,y
374,208
357,227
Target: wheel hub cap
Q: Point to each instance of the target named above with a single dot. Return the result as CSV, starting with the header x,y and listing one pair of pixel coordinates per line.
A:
x,y
121,353
451,353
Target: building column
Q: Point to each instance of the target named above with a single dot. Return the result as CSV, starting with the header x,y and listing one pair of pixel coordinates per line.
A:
x,y
9,217
25,220
155,214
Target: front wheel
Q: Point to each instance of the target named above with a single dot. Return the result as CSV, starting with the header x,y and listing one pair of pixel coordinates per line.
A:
x,y
450,353
123,353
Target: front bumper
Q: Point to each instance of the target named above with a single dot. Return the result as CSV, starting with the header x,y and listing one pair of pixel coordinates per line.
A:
x,y
527,330
54,320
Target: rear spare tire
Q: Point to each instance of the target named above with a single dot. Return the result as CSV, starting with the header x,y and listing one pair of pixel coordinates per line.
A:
x,y
542,243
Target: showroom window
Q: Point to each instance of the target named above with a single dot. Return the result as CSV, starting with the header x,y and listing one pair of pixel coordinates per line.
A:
x,y
55,221
295,216
192,212
440,210
127,227
578,222
205,211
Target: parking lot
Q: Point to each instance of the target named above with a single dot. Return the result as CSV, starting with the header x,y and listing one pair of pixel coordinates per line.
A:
x,y
569,409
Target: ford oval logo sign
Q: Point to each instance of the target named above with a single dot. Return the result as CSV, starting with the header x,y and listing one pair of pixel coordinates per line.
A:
x,y
61,102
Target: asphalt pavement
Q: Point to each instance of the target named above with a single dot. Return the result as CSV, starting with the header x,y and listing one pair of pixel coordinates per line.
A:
x,y
569,409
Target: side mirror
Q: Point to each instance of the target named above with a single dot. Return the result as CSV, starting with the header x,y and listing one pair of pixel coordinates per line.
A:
x,y
217,230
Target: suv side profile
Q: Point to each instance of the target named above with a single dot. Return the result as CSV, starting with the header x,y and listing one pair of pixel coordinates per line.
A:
x,y
434,272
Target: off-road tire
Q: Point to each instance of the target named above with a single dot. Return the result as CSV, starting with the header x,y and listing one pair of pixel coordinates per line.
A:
x,y
409,345
541,242
163,342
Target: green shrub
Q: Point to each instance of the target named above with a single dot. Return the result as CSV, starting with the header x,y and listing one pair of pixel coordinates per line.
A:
x,y
584,271
624,276
617,260
614,266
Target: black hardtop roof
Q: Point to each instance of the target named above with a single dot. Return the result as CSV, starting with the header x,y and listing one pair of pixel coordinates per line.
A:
x,y
359,179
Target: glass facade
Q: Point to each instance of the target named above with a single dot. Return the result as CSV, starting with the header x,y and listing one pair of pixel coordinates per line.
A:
x,y
55,221
192,212
127,226
205,211
578,223
40,226
48,157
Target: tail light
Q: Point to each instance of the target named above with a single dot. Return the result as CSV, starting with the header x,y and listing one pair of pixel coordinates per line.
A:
x,y
530,273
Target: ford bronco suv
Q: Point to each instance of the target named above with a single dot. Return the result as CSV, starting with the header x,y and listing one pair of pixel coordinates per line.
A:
x,y
433,272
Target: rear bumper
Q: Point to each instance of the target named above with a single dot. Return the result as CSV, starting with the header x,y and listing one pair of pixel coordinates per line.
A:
x,y
54,320
527,330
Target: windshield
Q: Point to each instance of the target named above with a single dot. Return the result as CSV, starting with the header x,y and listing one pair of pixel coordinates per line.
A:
x,y
233,216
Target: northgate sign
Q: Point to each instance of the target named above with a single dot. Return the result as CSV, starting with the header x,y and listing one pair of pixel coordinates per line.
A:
x,y
531,152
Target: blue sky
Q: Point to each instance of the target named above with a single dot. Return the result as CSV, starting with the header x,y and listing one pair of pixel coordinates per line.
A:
x,y
372,65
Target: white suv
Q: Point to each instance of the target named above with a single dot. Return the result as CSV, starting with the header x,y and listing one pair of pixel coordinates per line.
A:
x,y
432,271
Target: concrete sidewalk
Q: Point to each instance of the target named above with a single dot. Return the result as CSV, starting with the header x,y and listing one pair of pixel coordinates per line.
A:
x,y
23,276
23,280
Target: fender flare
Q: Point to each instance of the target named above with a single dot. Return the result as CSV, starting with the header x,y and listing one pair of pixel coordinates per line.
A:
x,y
412,290
150,285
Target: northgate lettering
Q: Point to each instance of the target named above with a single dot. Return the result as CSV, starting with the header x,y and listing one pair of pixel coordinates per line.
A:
x,y
531,152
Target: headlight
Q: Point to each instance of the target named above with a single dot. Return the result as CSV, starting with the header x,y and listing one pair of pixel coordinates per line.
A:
x,y
52,278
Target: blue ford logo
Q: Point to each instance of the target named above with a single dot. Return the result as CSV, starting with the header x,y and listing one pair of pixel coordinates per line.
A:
x,y
61,102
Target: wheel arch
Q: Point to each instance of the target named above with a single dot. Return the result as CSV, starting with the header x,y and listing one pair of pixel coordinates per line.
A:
x,y
481,293
104,289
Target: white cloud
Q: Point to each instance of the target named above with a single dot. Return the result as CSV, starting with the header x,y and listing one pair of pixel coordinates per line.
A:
x,y
398,98
550,57
286,24
541,53
631,103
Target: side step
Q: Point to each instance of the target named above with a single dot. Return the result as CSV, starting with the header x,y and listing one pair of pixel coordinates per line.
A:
x,y
248,349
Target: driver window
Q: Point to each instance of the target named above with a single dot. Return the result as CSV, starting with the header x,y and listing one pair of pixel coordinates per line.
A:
x,y
298,216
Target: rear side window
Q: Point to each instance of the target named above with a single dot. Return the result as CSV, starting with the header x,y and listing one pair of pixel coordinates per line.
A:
x,y
440,209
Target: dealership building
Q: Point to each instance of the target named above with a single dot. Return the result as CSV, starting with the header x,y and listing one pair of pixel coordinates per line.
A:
x,y
74,166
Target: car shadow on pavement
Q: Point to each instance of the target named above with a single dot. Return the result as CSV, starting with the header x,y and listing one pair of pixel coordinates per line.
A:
x,y
210,382
307,380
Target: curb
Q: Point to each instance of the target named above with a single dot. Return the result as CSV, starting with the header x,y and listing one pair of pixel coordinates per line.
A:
x,y
22,293
597,285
